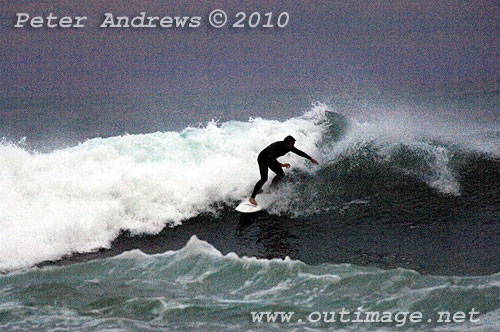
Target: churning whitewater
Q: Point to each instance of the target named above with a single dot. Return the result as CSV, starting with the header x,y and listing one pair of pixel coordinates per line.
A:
x,y
78,199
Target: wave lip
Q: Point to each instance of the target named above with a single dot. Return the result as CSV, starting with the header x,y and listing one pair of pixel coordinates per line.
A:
x,y
431,151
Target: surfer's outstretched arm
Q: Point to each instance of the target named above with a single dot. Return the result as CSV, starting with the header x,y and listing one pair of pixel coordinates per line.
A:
x,y
304,155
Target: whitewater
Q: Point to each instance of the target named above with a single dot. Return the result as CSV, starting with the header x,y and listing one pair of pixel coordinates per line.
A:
x,y
78,199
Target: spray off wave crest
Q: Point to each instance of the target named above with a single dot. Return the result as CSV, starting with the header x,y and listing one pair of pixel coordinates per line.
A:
x,y
79,199
431,151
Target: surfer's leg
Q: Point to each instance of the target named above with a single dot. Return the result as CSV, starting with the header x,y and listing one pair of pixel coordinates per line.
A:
x,y
276,168
263,178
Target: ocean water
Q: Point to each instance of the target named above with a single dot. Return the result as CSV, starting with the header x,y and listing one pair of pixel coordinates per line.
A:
x,y
401,215
199,289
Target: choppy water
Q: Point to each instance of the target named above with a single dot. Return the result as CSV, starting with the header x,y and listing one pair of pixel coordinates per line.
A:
x,y
199,289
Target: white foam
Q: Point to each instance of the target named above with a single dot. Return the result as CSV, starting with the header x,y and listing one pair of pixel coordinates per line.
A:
x,y
78,199
195,247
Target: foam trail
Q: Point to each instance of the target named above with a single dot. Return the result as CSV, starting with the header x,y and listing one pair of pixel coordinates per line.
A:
x,y
78,199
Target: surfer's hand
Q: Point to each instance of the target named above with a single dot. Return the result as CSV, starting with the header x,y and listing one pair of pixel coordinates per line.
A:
x,y
314,161
285,165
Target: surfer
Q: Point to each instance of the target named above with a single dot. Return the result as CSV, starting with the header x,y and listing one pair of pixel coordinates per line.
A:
x,y
267,159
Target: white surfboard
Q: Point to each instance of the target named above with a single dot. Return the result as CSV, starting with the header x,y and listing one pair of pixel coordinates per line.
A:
x,y
264,201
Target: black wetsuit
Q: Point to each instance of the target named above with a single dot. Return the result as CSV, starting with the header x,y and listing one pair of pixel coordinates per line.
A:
x,y
267,159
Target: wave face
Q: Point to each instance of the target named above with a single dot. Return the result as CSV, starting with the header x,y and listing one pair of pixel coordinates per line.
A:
x,y
79,199
391,157
198,289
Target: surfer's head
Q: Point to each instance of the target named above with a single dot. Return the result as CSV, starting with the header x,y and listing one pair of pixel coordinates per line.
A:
x,y
289,141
